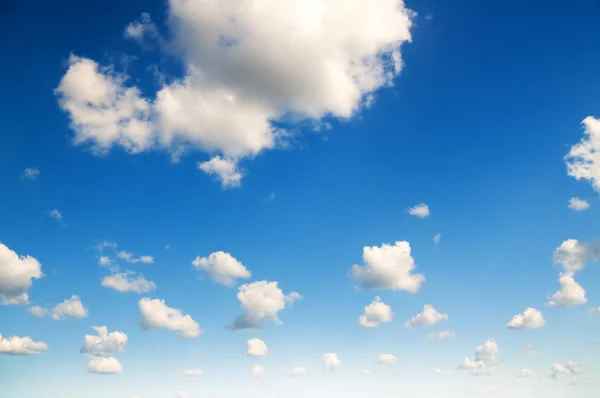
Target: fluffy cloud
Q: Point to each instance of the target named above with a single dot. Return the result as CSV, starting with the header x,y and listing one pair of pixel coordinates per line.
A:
x,y
256,348
299,371
429,316
130,258
387,359
222,268
332,362
443,335
578,204
570,293
128,282
193,372
16,275
529,319
421,211
38,311
30,173
105,365
21,346
572,255
72,307
257,371
104,343
437,238
104,261
226,170
244,73
375,314
569,368
525,373
583,160
485,361
156,314
261,302
387,267
56,215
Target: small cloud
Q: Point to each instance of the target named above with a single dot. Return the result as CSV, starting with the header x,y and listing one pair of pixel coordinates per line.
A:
x,y
578,204
387,359
420,210
225,170
130,258
56,215
193,373
437,238
30,174
443,335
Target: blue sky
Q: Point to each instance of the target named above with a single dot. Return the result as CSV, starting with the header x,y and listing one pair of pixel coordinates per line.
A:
x,y
476,124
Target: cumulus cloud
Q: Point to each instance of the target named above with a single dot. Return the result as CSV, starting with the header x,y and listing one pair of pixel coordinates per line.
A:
x,y
16,275
570,293
583,160
387,267
387,359
21,346
485,361
429,316
261,302
569,368
525,373
529,319
104,343
130,258
104,261
256,348
298,371
332,362
30,173
257,371
421,211
193,372
38,311
128,281
156,314
72,307
105,365
573,255
245,75
443,335
375,314
222,268
578,204
226,170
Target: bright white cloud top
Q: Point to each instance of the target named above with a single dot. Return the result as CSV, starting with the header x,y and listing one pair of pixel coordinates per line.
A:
x,y
69,308
257,348
429,316
21,346
420,210
529,319
16,276
104,343
387,359
332,362
105,365
375,314
583,160
485,361
156,314
570,293
222,268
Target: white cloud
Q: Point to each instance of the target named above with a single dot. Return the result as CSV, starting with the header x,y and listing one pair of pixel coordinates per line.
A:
x,y
258,371
222,268
38,311
485,360
261,302
443,335
332,362
244,73
375,314
256,348
583,160
104,261
572,255
106,244
193,372
429,316
529,319
570,293
387,359
16,275
525,373
156,314
72,307
30,173
578,204
366,372
105,365
56,215
299,371
226,170
130,258
104,343
437,238
128,281
387,267
21,346
420,210
569,368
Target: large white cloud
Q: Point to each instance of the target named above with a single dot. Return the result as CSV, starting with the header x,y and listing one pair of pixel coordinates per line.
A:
x,y
429,316
128,281
332,362
222,268
72,307
387,267
21,346
244,71
261,302
105,365
573,255
257,348
583,160
375,314
529,319
156,314
16,275
104,343
570,293
485,361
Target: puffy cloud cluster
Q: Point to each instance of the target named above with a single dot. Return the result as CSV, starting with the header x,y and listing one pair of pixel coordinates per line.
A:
x,y
21,346
485,361
570,293
529,319
244,73
72,307
16,276
375,314
429,316
222,268
104,343
261,302
156,314
105,365
387,267
332,362
583,160
257,348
